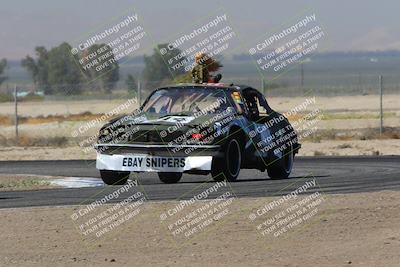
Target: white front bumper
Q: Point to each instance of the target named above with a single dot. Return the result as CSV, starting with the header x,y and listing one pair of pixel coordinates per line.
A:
x,y
148,163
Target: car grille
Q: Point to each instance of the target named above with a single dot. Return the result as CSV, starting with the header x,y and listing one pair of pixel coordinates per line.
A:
x,y
124,134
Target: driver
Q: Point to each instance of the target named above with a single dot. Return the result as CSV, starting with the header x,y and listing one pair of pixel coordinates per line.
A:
x,y
165,103
200,73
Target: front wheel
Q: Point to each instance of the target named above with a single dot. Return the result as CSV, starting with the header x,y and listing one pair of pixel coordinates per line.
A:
x,y
170,177
228,167
282,167
114,177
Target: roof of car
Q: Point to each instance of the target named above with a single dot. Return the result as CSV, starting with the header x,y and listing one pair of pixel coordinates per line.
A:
x,y
208,85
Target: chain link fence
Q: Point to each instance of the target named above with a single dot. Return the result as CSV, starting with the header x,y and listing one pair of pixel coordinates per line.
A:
x,y
350,102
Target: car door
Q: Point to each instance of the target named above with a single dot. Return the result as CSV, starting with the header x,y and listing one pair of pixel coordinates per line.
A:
x,y
258,113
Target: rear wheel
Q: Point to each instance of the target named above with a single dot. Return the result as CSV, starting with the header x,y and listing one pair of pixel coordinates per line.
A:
x,y
170,177
228,167
282,167
114,177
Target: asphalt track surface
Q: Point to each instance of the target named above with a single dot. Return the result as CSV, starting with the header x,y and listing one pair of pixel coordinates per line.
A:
x,y
332,175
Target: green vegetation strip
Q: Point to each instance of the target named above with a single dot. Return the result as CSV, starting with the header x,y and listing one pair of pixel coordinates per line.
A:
x,y
21,184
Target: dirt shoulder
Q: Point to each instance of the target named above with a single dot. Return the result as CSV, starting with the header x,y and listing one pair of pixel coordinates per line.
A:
x,y
348,230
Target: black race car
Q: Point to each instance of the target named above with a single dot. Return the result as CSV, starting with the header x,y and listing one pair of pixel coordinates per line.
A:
x,y
198,129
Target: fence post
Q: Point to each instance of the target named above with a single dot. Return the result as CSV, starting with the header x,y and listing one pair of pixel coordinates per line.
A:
x,y
302,75
139,96
262,86
381,103
16,114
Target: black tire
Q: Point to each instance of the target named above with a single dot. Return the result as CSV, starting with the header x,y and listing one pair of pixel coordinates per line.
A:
x,y
281,168
114,177
170,177
229,166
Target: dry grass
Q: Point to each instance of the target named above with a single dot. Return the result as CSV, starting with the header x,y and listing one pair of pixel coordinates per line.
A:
x,y
343,146
85,116
356,116
348,135
26,140
319,153
58,141
343,116
6,120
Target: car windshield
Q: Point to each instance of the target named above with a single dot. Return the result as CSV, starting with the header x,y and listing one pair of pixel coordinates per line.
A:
x,y
188,100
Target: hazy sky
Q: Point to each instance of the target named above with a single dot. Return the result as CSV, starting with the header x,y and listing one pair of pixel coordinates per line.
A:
x,y
349,25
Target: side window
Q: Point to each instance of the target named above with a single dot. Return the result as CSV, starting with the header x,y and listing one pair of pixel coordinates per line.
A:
x,y
252,106
257,105
261,109
266,109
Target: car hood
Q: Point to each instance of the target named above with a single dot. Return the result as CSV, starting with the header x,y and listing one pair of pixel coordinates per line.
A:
x,y
150,118
159,128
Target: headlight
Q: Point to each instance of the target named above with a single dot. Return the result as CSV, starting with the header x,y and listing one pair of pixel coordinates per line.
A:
x,y
105,132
